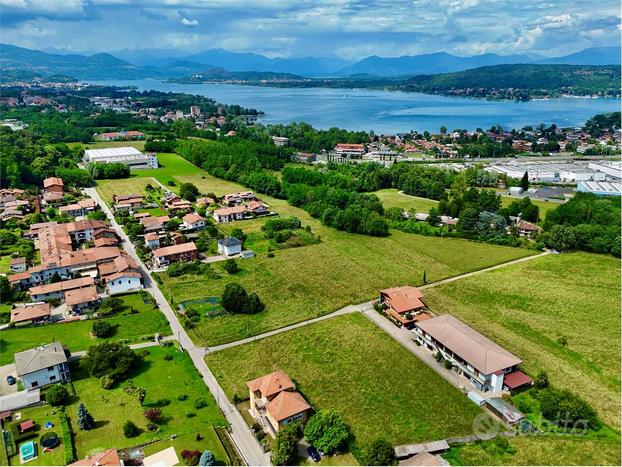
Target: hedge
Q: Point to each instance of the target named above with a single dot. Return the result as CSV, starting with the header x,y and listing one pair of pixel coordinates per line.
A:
x,y
68,446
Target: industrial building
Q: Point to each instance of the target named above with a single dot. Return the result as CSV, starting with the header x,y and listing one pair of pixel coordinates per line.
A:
x,y
125,155
600,188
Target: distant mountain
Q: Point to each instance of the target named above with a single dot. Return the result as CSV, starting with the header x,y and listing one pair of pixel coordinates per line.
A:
x,y
98,66
591,56
440,62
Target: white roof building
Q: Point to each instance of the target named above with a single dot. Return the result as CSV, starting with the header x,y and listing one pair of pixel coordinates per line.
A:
x,y
124,155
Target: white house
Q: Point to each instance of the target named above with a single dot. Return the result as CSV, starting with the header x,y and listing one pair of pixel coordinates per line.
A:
x,y
234,213
152,241
42,365
123,282
193,221
229,246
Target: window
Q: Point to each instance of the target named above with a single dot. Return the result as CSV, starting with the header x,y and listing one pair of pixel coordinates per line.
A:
x,y
52,378
50,368
34,384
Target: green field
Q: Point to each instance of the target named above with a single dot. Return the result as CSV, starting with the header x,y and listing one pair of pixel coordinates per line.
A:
x,y
559,313
544,205
146,321
140,145
534,450
397,397
163,379
393,198
5,264
171,166
124,186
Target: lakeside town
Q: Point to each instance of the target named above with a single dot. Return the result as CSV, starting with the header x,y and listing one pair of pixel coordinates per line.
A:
x,y
188,286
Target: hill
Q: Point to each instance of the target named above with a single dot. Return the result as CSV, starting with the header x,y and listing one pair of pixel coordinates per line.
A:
x,y
591,56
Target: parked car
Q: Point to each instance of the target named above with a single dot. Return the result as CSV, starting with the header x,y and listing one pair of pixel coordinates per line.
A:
x,y
11,380
314,454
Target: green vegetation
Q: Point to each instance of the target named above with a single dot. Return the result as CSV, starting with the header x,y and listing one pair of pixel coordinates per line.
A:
x,y
393,198
134,322
549,312
332,370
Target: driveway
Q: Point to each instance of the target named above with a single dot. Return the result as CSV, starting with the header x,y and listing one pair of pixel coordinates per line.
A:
x,y
5,371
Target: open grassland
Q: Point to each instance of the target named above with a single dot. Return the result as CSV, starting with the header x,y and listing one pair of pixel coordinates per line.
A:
x,y
534,450
131,327
171,167
397,397
124,186
545,206
163,380
559,313
302,283
5,264
393,198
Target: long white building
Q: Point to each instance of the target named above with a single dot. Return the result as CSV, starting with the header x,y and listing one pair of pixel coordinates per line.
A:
x,y
124,155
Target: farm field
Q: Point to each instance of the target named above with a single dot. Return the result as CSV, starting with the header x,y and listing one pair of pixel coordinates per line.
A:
x,y
393,198
550,312
534,450
145,321
398,397
163,380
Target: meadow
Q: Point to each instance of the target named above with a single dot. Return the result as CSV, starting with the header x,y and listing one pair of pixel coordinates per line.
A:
x,y
559,313
393,198
545,206
146,320
164,380
398,398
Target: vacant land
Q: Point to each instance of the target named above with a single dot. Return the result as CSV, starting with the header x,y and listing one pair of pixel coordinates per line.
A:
x,y
125,186
398,397
131,326
535,450
393,198
165,381
559,313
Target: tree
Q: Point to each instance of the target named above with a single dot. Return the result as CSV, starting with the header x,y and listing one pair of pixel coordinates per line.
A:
x,y
207,458
285,447
110,306
153,414
231,266
188,191
326,431
235,299
109,358
380,452
57,395
542,380
6,291
101,329
563,407
524,182
84,418
130,430
560,237
433,217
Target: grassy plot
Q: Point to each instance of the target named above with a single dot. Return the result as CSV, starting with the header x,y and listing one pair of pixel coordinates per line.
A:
x,y
171,166
559,313
5,264
130,326
535,450
544,205
393,198
397,397
166,374
124,186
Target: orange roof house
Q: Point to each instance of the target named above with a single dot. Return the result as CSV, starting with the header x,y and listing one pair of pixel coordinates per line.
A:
x,y
53,184
105,458
404,305
34,312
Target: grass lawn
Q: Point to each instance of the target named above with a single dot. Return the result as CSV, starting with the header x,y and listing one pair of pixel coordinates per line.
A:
x,y
171,166
397,397
124,186
163,379
534,450
393,198
544,205
76,335
559,313
40,415
5,264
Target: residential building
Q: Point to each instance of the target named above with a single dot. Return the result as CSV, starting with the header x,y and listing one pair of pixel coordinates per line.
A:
x,y
53,188
154,223
120,136
192,221
34,312
233,199
195,111
81,208
58,290
280,140
231,214
78,300
127,155
349,150
42,365
257,208
527,229
229,246
204,201
18,264
120,275
152,241
403,305
100,459
274,401
127,202
182,252
488,366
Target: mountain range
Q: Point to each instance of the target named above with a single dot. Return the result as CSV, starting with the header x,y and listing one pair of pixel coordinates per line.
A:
x,y
165,63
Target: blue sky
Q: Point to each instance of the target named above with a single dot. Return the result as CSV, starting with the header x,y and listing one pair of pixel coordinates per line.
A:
x,y
296,28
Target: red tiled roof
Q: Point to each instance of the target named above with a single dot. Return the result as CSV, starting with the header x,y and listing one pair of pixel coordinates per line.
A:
x,y
516,379
271,384
175,249
28,312
287,404
52,181
403,299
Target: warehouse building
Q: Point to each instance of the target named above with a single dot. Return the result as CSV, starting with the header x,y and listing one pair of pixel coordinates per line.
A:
x,y
125,155
600,188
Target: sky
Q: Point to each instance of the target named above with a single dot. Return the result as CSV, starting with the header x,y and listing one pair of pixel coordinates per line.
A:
x,y
296,28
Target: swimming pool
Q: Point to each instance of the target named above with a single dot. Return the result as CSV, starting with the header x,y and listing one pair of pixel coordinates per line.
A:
x,y
27,451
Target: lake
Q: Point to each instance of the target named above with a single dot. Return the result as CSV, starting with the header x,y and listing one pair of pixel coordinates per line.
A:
x,y
385,111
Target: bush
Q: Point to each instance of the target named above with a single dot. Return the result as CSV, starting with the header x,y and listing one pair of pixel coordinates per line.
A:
x,y
235,299
230,266
190,415
199,403
326,431
182,397
84,418
563,407
190,457
102,329
153,415
380,452
68,444
130,430
57,395
542,380
448,365
168,357
207,458
107,382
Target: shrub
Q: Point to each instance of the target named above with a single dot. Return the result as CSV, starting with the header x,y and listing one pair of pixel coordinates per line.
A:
x,y
68,444
563,407
285,447
380,452
230,266
182,397
102,329
153,415
235,299
199,403
130,430
326,431
190,415
542,380
168,357
161,403
85,419
57,395
106,382
190,457
448,364
207,458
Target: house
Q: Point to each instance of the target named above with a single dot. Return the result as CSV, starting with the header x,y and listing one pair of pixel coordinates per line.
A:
x,y
154,223
488,366
81,208
229,246
192,221
177,206
274,401
182,252
120,136
233,199
280,140
152,241
234,213
100,459
527,229
127,202
404,305
106,241
204,201
34,312
43,365
349,150
18,264
57,290
78,300
120,275
257,208
53,185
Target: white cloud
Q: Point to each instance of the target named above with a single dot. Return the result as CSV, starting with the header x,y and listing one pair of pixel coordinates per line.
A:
x,y
189,22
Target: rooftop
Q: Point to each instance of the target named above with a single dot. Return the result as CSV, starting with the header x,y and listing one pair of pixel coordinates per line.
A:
x,y
80,296
61,286
271,384
27,312
38,358
229,241
403,299
175,249
287,404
